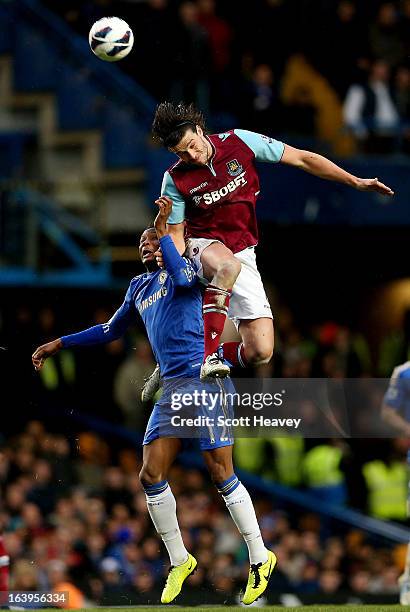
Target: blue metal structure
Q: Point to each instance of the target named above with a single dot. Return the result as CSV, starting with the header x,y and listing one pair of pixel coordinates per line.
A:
x,y
26,219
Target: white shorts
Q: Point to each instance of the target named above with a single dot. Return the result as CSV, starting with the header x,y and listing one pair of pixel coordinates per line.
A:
x,y
248,299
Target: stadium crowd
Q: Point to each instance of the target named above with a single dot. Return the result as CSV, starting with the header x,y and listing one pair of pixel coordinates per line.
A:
x,y
74,514
282,68
74,519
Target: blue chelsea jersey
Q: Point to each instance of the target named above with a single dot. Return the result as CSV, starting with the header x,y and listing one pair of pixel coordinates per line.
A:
x,y
398,394
172,316
169,302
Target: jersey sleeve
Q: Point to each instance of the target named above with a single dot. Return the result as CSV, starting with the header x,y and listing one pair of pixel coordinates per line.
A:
x,y
265,148
395,396
106,332
180,270
178,203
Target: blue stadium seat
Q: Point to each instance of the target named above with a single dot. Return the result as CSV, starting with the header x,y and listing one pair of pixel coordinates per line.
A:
x,y
124,138
36,64
79,104
6,28
12,153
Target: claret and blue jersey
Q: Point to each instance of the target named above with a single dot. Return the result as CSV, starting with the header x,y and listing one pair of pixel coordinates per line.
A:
x,y
218,200
169,302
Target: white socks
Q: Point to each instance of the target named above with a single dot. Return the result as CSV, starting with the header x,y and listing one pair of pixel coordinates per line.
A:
x,y
162,509
240,506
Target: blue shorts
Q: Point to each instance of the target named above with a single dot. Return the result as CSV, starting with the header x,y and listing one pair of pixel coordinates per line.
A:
x,y
191,409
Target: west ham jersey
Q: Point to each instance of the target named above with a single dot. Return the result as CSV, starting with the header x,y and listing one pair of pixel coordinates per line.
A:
x,y
219,200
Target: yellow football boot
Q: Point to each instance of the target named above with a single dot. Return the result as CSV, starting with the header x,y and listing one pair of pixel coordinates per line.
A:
x,y
259,575
176,578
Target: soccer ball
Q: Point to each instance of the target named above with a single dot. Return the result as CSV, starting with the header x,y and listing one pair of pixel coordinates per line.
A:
x,y
111,39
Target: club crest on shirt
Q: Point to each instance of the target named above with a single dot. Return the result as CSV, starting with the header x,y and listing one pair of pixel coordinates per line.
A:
x,y
234,167
197,199
224,136
162,277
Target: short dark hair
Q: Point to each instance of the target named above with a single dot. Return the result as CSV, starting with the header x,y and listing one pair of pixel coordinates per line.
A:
x,y
171,121
149,228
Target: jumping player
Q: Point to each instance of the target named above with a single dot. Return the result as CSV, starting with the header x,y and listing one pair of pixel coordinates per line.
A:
x,y
396,412
396,403
213,188
169,302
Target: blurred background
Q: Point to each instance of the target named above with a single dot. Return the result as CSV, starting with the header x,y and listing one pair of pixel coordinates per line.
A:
x,y
78,175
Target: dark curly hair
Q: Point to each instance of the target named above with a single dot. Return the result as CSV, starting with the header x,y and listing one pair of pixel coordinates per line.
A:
x,y
171,121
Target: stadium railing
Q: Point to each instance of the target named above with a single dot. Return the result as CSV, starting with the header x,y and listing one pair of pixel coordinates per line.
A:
x,y
26,217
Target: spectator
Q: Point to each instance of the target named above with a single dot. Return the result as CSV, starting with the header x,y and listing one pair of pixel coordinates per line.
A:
x,y
113,585
190,69
369,110
44,492
219,35
128,382
385,36
24,576
401,95
60,583
322,472
342,67
300,113
386,483
263,101
330,581
152,21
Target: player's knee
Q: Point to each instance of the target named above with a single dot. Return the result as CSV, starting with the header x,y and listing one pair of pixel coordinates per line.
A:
x,y
150,475
227,272
219,472
259,355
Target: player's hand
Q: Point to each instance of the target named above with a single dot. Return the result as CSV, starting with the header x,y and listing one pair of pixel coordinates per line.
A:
x,y
374,185
45,350
159,258
165,207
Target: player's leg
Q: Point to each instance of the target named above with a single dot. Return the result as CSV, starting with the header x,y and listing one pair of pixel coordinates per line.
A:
x,y
239,503
256,345
252,315
237,499
221,268
158,456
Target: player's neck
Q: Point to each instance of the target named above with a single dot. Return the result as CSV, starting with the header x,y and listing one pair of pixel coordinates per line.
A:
x,y
209,150
151,266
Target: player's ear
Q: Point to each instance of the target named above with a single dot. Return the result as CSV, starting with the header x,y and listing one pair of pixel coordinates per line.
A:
x,y
199,130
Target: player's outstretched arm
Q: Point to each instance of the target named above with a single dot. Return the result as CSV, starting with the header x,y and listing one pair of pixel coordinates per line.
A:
x,y
176,216
180,270
45,350
175,230
324,168
177,233
98,334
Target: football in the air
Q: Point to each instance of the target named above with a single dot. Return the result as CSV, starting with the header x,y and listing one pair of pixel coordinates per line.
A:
x,y
111,39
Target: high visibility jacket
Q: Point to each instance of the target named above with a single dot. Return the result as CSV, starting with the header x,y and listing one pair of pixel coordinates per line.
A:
x,y
387,489
249,454
61,365
288,460
321,466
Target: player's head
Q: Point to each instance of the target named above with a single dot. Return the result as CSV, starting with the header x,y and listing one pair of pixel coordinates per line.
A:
x,y
181,128
148,244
